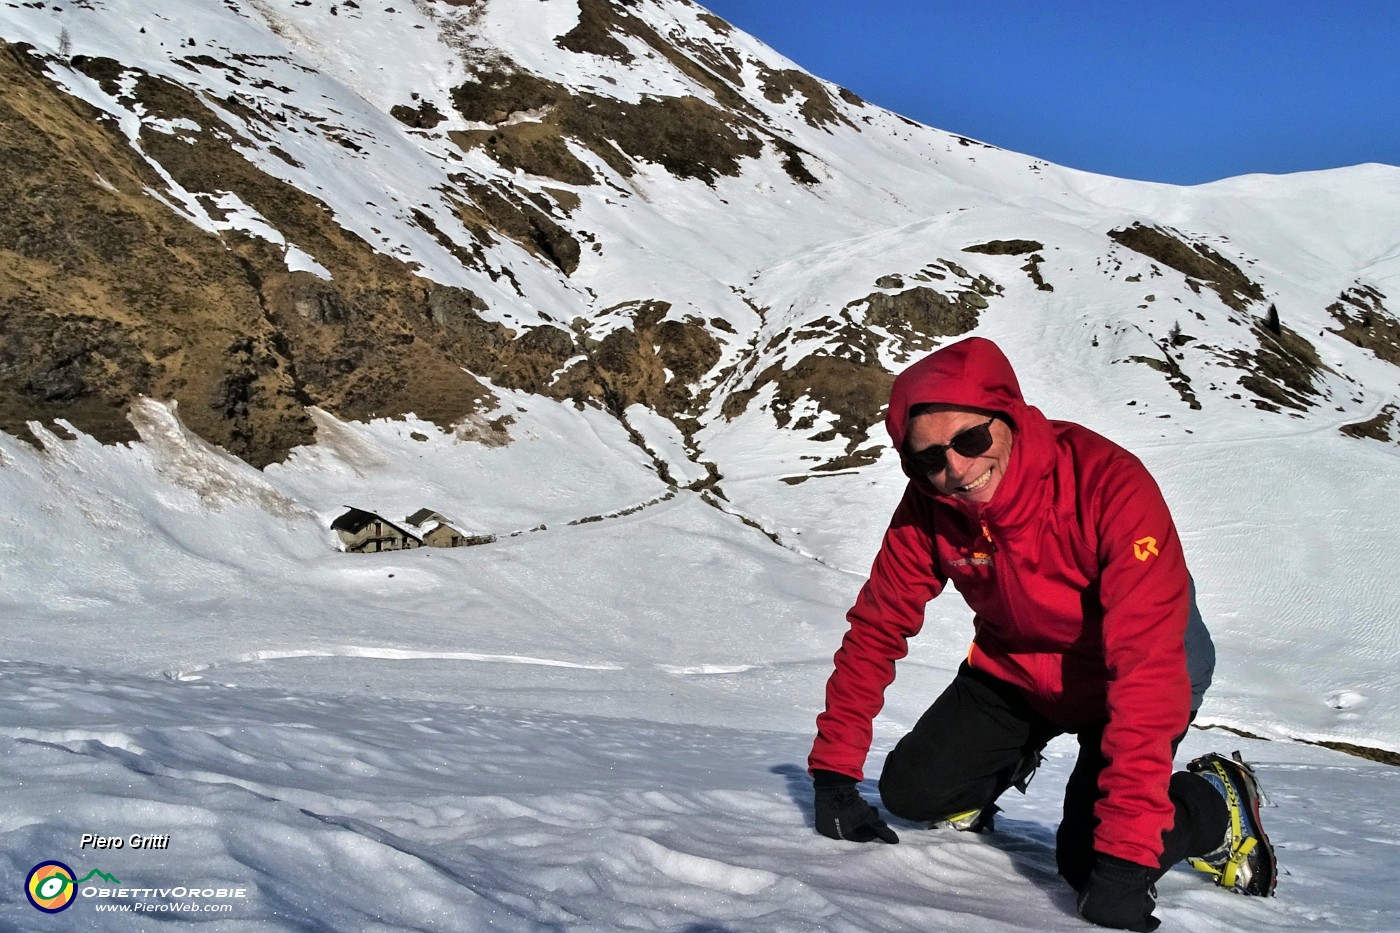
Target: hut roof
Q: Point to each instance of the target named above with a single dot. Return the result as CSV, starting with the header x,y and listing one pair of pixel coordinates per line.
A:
x,y
422,515
354,520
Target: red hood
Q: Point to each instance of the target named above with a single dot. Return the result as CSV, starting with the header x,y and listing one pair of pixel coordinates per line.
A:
x,y
973,373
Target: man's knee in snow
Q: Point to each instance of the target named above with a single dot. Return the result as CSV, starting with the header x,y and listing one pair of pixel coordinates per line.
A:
x,y
909,792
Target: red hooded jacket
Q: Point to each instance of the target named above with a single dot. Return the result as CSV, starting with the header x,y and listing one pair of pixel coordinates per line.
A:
x,y
1077,579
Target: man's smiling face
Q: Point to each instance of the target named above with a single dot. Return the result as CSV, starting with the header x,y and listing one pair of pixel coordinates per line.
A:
x,y
974,477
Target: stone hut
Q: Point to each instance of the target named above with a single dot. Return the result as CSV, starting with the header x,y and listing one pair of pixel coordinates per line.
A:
x,y
441,534
364,532
437,530
418,518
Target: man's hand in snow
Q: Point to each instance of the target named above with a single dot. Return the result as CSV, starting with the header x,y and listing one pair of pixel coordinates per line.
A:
x,y
843,814
1119,895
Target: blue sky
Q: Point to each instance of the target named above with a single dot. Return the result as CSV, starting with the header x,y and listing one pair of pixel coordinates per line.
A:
x,y
1185,91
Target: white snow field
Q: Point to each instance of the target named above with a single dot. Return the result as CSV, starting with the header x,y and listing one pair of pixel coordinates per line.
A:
x,y
597,726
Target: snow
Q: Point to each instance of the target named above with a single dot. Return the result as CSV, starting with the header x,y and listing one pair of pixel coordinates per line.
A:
x,y
599,721
595,726
666,443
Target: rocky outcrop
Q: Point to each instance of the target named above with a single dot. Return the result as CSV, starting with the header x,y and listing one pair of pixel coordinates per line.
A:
x,y
658,362
1196,261
918,317
534,121
106,294
1364,321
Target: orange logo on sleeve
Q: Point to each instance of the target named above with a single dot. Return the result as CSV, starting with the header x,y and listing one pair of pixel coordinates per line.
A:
x,y
1144,548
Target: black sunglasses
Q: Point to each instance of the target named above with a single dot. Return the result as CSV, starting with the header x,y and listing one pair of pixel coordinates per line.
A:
x,y
972,442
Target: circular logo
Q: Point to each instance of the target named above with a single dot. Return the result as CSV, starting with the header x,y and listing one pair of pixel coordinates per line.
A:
x,y
50,887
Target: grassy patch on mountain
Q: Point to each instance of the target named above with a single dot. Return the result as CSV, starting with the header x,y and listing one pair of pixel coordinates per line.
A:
x,y
685,135
919,317
1017,248
718,58
1193,260
424,116
602,23
792,162
855,392
1005,247
1380,428
534,148
596,31
688,136
1168,366
1283,371
816,106
843,377
631,364
1364,321
498,209
107,294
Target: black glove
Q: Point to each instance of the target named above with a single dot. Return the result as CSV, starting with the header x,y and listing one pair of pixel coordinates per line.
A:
x,y
1119,895
842,812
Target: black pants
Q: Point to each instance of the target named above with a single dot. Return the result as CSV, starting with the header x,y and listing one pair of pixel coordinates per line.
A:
x,y
980,737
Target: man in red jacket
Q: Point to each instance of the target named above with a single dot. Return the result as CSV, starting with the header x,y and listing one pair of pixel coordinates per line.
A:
x,y
1085,623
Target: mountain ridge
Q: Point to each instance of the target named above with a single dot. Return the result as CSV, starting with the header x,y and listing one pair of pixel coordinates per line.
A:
x,y
379,211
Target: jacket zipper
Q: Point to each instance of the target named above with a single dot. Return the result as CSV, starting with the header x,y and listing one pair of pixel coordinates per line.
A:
x,y
1042,672
999,577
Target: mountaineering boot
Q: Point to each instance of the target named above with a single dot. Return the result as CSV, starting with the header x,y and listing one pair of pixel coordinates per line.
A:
x,y
982,820
1245,860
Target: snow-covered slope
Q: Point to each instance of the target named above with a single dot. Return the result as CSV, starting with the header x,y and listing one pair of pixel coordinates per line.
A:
x,y
599,719
591,168
591,726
